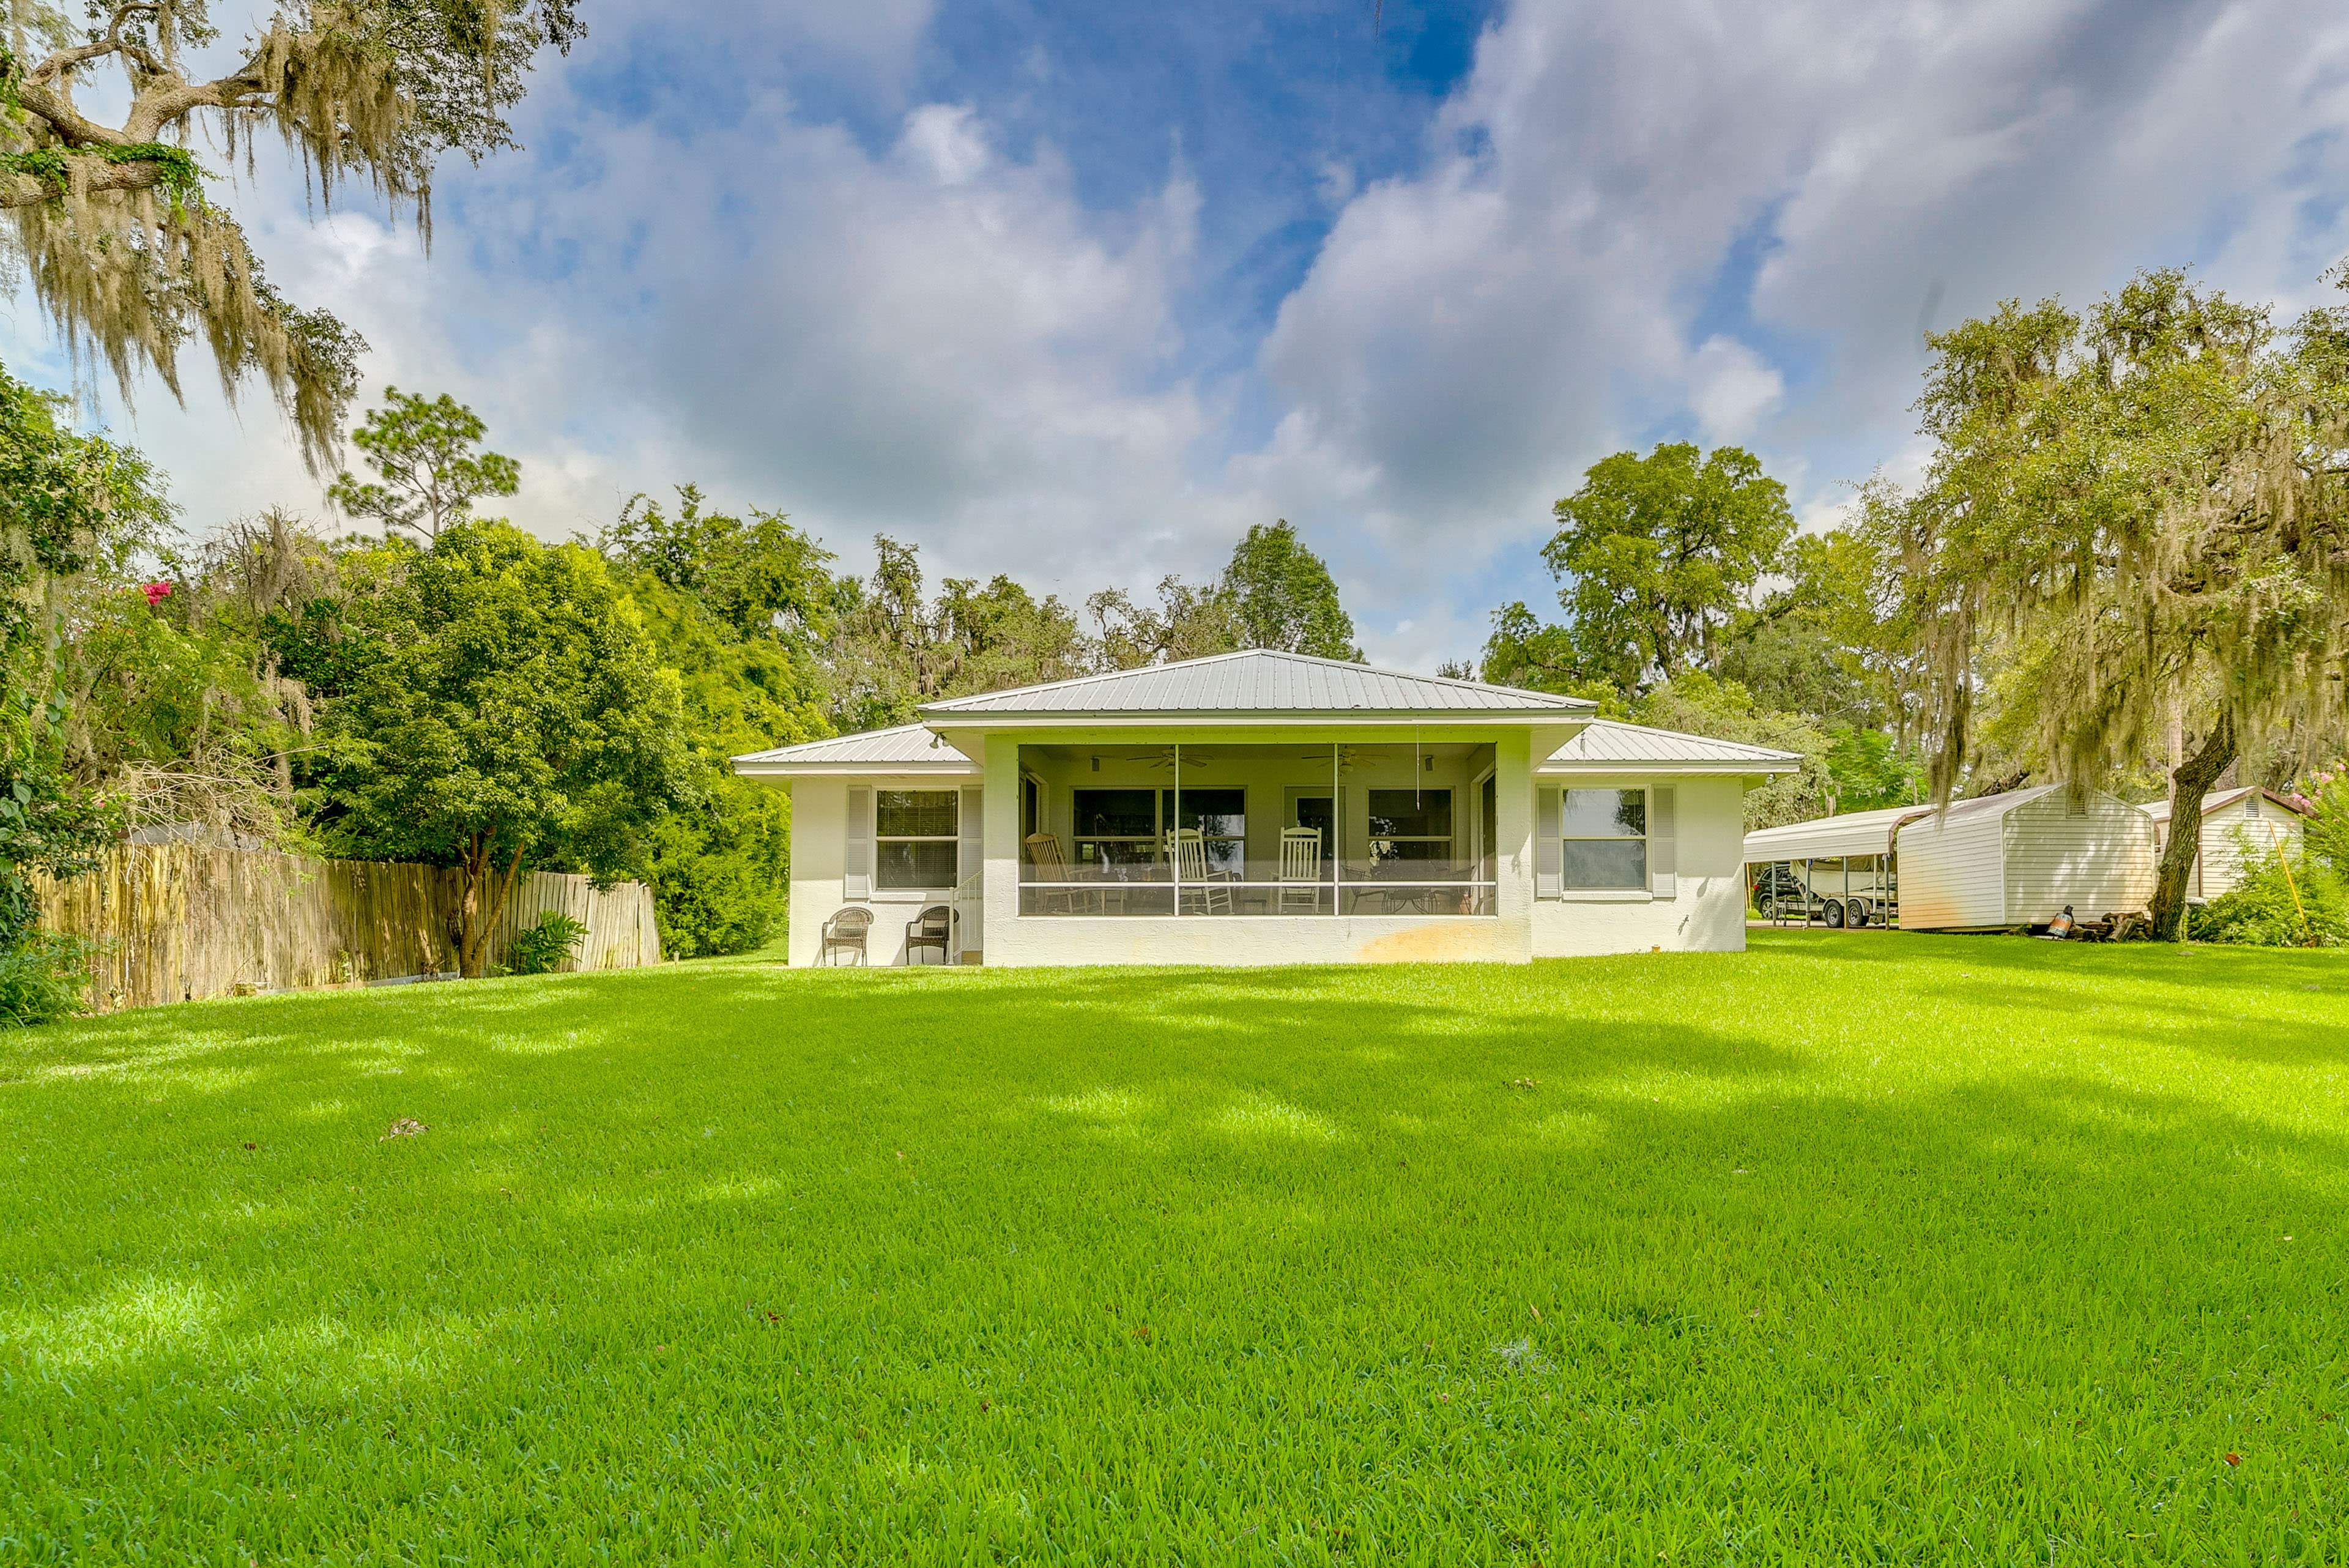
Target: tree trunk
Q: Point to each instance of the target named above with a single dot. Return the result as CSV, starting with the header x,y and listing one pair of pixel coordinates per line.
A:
x,y
486,893
469,920
2188,785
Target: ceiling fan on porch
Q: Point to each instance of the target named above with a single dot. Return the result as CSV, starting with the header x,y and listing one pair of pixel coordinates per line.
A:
x,y
1349,757
1164,757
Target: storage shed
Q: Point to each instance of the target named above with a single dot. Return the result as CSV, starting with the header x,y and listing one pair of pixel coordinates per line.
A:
x,y
2013,859
2018,858
2233,820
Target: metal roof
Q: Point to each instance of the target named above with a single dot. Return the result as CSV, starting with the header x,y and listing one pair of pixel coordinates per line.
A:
x,y
1872,832
1259,681
909,748
1608,743
1832,838
2219,800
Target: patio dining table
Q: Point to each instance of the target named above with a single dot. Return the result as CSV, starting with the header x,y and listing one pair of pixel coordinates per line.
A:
x,y
1369,897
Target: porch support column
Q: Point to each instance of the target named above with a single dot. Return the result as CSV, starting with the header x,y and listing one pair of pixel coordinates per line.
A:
x,y
1513,839
1001,852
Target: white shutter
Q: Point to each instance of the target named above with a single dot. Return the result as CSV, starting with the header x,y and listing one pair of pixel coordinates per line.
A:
x,y
971,859
1663,856
1548,853
859,878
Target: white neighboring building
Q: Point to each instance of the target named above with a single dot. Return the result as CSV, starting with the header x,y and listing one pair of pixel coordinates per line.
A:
x,y
1262,807
2233,819
1989,864
2019,858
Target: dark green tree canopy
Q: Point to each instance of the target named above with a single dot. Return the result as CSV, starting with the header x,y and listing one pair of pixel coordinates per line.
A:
x,y
505,710
893,649
1282,595
759,576
67,502
1656,555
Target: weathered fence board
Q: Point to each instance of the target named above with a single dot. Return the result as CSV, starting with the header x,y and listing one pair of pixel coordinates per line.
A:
x,y
172,922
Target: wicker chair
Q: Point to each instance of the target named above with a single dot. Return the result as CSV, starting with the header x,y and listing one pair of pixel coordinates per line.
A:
x,y
846,931
933,928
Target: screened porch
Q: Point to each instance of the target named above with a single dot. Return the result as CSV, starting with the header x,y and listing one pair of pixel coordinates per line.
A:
x,y
1239,831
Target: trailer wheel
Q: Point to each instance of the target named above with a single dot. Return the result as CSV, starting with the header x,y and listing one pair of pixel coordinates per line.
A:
x,y
1770,908
1857,914
1834,913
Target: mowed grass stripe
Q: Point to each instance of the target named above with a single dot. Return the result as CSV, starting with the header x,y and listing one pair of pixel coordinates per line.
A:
x,y
1875,1248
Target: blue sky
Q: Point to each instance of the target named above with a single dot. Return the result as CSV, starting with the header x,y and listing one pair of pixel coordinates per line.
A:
x,y
1079,292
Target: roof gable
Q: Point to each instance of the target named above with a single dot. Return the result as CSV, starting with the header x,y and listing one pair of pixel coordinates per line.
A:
x,y
907,747
1611,743
2219,800
1260,680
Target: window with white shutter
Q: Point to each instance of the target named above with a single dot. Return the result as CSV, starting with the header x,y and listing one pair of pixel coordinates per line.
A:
x,y
1663,863
1547,850
859,863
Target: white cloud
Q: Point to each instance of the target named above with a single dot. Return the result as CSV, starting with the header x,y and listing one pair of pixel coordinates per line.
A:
x,y
1731,390
917,323
1474,336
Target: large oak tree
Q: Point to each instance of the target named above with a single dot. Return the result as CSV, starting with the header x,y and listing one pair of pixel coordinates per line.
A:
x,y
132,256
2142,513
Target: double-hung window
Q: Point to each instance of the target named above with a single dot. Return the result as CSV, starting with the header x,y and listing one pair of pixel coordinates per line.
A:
x,y
1606,838
914,832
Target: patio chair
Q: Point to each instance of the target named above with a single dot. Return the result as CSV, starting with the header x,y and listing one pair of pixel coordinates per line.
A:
x,y
930,928
1043,852
846,931
1300,869
1208,891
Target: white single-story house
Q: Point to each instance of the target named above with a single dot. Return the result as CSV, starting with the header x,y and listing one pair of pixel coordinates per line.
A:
x,y
2233,821
1263,807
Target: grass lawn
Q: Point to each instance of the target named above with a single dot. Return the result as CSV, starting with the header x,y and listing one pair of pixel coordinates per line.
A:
x,y
1855,1248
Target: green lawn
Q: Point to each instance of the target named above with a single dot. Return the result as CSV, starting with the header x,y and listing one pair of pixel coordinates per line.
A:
x,y
1871,1248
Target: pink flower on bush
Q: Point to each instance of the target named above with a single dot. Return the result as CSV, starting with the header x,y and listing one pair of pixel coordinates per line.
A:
x,y
156,593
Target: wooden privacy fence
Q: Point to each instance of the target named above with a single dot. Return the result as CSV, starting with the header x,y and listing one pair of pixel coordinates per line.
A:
x,y
173,922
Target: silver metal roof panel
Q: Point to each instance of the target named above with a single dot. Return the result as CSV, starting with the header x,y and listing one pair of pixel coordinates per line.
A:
x,y
1609,743
909,748
1259,681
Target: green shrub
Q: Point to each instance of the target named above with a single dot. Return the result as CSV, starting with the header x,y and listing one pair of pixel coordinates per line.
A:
x,y
538,949
2306,906
44,978
721,877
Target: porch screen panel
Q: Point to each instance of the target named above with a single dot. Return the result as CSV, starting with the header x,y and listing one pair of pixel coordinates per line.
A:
x,y
1548,853
1220,817
1117,827
974,828
1663,862
859,861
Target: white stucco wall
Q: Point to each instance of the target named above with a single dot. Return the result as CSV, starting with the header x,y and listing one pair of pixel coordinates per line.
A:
x,y
819,870
1705,913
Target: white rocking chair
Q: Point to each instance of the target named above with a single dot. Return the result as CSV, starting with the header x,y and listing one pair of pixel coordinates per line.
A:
x,y
1208,892
1300,869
